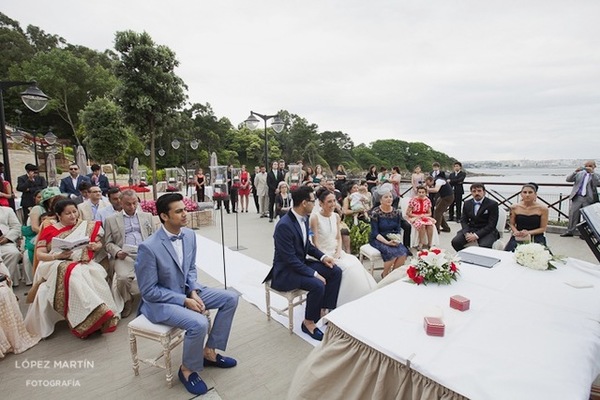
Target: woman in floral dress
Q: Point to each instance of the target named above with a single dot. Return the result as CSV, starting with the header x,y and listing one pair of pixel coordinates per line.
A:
x,y
418,213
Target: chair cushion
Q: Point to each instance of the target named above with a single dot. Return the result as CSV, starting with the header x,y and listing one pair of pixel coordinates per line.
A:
x,y
143,323
369,251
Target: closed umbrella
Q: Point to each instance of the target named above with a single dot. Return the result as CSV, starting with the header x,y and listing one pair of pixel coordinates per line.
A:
x,y
81,160
135,171
51,168
213,159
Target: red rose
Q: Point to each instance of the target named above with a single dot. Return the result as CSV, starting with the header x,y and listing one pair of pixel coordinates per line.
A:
x,y
411,272
422,253
418,279
436,251
453,267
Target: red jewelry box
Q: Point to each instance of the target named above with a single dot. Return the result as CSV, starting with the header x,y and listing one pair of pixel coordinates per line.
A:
x,y
460,303
434,326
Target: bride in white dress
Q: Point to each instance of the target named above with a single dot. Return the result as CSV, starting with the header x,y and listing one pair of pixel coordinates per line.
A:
x,y
325,227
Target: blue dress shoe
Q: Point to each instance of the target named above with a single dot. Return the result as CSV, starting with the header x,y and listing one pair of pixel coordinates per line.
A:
x,y
316,334
194,384
222,362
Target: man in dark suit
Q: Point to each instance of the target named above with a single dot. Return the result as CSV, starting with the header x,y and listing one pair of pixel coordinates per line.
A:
x,y
171,295
479,220
436,173
456,179
273,178
99,179
70,184
291,270
253,188
584,192
28,184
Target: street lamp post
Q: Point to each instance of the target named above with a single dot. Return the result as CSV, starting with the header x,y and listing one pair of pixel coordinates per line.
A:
x,y
176,144
277,125
33,98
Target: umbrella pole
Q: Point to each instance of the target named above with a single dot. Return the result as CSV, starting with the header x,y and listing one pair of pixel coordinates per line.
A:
x,y
237,246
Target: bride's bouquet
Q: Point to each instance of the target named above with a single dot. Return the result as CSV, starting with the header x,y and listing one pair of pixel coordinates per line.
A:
x,y
534,256
433,266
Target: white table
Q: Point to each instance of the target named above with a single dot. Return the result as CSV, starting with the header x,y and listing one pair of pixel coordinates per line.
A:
x,y
528,335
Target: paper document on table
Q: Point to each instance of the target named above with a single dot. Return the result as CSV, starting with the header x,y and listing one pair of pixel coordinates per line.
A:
x,y
130,249
66,244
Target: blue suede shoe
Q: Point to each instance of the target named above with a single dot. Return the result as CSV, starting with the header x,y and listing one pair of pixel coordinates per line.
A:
x,y
222,362
316,334
194,384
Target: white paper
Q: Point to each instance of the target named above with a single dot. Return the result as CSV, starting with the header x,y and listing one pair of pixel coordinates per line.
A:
x,y
66,244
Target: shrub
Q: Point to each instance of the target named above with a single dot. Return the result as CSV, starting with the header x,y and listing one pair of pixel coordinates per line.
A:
x,y
122,170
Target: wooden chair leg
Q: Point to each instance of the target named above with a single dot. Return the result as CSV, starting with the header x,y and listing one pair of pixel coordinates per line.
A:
x,y
134,355
291,315
167,354
268,301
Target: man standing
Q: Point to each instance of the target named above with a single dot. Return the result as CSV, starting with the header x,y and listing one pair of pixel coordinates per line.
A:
x,y
445,197
291,270
10,231
262,190
479,220
114,198
456,179
125,231
584,192
90,207
98,179
274,176
28,184
166,272
253,187
435,174
70,184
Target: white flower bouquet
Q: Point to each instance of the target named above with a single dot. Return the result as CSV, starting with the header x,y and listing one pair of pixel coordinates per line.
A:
x,y
396,237
435,266
534,256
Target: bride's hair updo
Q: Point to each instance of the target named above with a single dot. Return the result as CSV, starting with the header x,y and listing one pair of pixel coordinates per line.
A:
x,y
322,193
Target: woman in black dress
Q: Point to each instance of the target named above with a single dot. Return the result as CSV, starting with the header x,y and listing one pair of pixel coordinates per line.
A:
x,y
528,219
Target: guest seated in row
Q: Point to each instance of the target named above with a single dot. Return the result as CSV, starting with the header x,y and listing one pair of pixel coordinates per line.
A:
x,y
419,216
479,220
528,219
14,337
10,232
325,226
70,284
291,270
386,221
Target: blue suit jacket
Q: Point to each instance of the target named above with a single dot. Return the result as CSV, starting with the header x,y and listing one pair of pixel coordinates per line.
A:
x,y
161,279
289,261
102,183
66,184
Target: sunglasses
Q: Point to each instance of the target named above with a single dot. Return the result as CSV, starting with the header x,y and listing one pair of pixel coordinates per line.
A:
x,y
73,169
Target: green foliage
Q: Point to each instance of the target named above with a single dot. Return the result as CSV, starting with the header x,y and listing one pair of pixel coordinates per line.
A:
x,y
105,133
122,170
359,234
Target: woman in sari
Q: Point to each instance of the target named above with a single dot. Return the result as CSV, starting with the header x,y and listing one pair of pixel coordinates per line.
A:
x,y
325,225
73,285
14,338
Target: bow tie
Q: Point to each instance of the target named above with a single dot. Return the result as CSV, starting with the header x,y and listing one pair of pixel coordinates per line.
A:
x,y
478,203
176,237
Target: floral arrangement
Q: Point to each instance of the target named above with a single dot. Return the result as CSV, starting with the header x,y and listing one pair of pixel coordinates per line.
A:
x,y
433,266
150,205
396,237
534,256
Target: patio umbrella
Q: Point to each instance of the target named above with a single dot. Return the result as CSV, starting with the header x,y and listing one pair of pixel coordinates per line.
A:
x,y
135,173
213,159
51,168
81,160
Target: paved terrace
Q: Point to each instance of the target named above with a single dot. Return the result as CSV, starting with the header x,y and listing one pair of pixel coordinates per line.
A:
x,y
268,355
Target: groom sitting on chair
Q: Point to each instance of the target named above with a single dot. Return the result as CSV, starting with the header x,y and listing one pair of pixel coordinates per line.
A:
x,y
166,272
291,270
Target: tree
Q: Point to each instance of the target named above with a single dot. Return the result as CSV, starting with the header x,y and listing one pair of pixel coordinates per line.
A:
x,y
69,81
149,91
106,136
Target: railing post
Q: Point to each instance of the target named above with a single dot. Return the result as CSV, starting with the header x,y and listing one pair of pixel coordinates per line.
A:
x,y
559,206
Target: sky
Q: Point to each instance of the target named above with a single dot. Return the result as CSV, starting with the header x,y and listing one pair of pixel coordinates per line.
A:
x,y
475,79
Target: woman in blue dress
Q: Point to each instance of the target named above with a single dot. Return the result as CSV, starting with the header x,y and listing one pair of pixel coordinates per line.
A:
x,y
385,234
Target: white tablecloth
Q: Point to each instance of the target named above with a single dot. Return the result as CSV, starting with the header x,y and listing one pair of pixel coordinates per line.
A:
x,y
528,335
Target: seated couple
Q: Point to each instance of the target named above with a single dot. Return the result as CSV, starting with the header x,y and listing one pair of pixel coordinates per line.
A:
x,y
330,276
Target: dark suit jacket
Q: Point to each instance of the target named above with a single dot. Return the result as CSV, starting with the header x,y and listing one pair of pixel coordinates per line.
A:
x,y
102,182
28,188
289,261
272,182
66,185
456,181
484,222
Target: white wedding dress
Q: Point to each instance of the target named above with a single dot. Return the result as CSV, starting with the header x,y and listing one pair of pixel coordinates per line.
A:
x,y
356,281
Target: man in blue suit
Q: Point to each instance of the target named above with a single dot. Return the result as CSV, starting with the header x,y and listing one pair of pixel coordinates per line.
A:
x,y
166,272
291,270
98,179
70,184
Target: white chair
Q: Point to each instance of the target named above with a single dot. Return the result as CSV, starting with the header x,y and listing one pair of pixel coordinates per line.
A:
x,y
169,337
294,298
502,216
370,252
414,234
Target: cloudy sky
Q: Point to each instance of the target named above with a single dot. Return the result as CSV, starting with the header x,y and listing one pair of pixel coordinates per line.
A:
x,y
475,79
